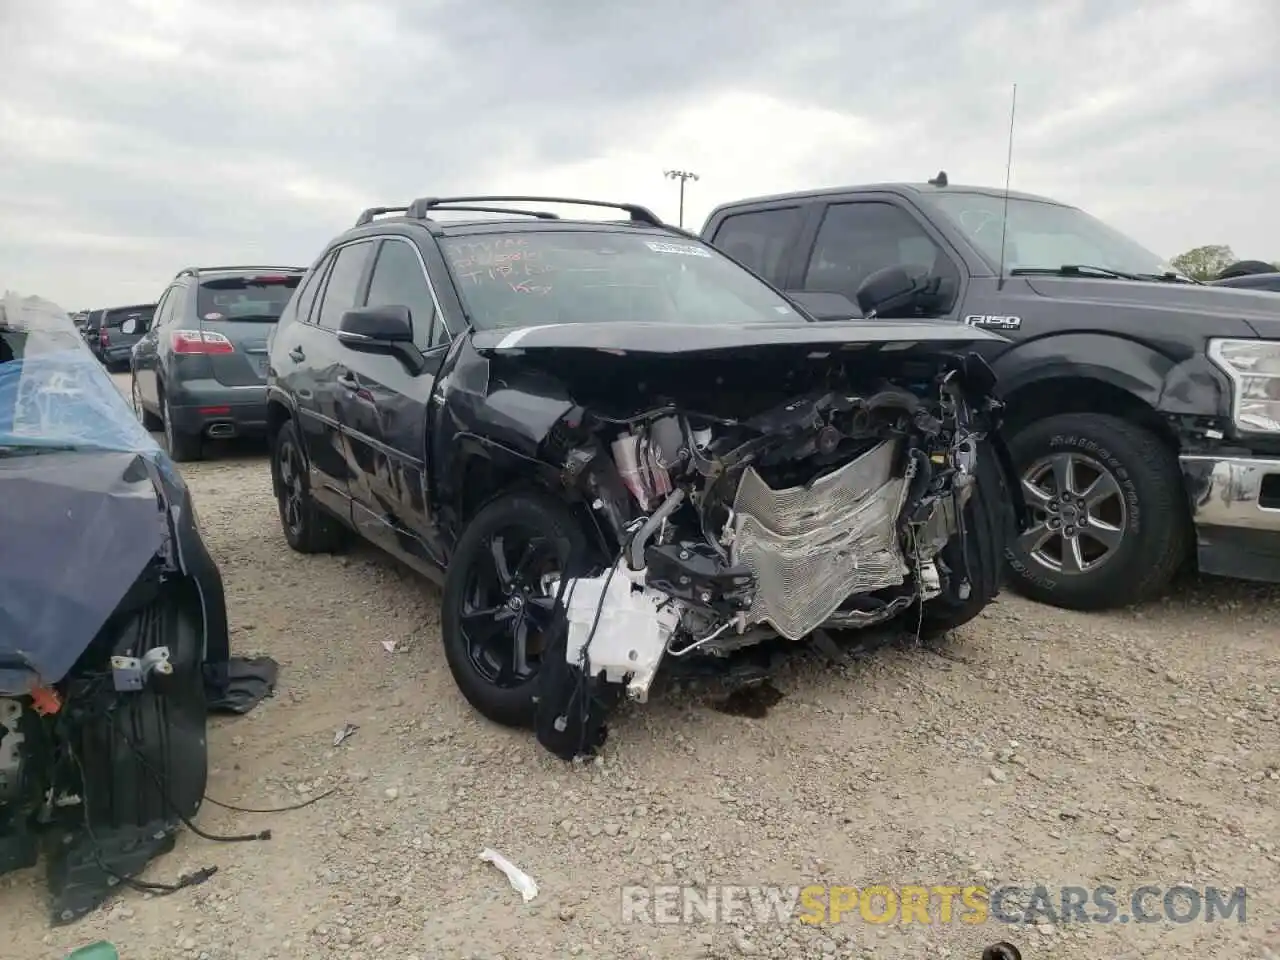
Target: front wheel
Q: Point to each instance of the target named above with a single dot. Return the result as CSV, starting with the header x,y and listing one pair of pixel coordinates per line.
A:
x,y
498,610
1109,519
977,554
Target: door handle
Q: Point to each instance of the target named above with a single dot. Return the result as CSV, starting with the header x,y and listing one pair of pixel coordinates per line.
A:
x,y
296,355
348,381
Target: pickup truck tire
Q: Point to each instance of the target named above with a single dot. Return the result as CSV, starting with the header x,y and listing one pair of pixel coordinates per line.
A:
x,y
493,595
307,528
1142,522
989,523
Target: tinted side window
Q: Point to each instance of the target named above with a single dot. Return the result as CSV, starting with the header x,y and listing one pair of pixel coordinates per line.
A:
x,y
857,239
760,239
163,308
398,279
311,285
344,284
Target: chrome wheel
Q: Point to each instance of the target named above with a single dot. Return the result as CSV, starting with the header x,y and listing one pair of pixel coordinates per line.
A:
x,y
1079,513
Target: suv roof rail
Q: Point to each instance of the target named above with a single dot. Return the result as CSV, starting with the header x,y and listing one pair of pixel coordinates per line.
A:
x,y
421,207
537,214
368,215
193,271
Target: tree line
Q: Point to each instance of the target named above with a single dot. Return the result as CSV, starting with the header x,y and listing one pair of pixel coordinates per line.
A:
x,y
1211,261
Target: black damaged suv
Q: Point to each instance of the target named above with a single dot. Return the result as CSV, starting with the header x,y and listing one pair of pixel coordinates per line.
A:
x,y
620,450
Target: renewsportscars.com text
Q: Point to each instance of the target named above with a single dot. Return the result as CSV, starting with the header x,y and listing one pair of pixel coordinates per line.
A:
x,y
937,904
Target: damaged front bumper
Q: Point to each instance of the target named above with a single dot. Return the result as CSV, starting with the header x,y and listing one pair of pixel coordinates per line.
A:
x,y
1235,505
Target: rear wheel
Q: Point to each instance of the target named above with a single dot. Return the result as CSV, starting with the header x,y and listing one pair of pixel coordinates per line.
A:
x,y
497,616
149,420
182,447
307,528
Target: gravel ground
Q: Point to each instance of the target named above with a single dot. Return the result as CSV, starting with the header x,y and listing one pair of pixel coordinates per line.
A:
x,y
1038,746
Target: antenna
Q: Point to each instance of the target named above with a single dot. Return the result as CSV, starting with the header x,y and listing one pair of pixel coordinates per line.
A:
x,y
1008,168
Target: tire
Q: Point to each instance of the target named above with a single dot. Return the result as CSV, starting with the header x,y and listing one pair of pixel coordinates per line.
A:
x,y
182,447
1144,519
496,684
149,420
307,528
989,523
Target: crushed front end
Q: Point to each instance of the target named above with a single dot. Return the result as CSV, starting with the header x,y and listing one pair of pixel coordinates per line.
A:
x,y
767,494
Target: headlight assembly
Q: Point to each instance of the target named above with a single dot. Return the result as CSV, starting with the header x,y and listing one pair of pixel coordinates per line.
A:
x,y
1254,369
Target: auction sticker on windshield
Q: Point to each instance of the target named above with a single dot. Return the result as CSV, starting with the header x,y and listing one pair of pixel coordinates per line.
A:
x,y
687,249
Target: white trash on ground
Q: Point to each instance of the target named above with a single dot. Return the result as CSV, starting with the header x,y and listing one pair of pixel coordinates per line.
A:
x,y
519,879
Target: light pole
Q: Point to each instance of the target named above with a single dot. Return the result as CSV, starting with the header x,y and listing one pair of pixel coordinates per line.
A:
x,y
682,176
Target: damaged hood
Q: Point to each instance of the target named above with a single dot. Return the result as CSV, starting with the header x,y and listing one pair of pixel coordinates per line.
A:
x,y
85,495
78,529
675,338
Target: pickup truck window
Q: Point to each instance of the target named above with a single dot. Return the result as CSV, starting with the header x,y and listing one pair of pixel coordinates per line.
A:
x,y
1044,235
857,239
759,239
513,279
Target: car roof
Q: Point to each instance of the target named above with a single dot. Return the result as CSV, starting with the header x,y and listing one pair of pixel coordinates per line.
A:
x,y
247,269
134,306
924,190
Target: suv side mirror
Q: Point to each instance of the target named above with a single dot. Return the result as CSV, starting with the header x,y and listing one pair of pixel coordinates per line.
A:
x,y
386,330
888,292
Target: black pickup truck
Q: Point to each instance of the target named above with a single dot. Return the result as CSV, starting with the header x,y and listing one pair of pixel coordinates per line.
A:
x,y
1143,406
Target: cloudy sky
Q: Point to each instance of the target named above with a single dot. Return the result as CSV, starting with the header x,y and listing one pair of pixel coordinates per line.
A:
x,y
141,136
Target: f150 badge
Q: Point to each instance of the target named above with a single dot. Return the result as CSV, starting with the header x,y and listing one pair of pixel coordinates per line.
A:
x,y
997,323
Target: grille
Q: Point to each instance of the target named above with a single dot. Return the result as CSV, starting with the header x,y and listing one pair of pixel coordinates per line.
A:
x,y
812,547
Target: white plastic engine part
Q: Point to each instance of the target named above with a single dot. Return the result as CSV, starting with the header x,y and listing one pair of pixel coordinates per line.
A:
x,y
632,633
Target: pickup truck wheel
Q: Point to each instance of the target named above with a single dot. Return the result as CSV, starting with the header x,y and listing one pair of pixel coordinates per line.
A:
x,y
988,526
307,528
1109,525
497,615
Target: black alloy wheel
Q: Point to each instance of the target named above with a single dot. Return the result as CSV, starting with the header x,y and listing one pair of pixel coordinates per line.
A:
x,y
499,607
307,528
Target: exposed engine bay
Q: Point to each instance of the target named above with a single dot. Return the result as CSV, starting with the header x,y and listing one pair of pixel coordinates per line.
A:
x,y
829,505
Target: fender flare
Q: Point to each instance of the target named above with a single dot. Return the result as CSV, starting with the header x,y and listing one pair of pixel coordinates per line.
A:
x,y
1125,364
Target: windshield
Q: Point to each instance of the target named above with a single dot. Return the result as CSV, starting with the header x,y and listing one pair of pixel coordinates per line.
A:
x,y
260,298
523,278
1045,235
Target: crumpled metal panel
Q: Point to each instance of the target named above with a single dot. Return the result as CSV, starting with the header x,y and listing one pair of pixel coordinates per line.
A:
x,y
85,494
812,547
